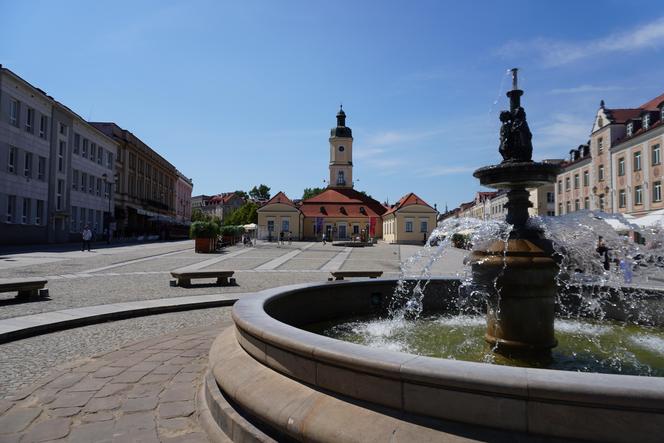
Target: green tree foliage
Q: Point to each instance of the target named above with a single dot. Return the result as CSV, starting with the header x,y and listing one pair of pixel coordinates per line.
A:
x,y
311,192
260,192
242,194
198,215
244,215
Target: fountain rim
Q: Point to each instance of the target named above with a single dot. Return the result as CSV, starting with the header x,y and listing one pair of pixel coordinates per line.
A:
x,y
257,331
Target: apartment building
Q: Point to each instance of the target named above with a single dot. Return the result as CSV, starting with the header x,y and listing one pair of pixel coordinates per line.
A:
x,y
619,169
183,202
145,188
41,198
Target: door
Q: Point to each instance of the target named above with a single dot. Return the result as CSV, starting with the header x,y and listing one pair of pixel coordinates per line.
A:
x,y
342,232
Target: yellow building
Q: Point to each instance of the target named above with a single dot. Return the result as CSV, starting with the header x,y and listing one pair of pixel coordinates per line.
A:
x,y
409,221
342,213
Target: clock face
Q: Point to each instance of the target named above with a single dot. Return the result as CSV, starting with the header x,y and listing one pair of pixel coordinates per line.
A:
x,y
341,149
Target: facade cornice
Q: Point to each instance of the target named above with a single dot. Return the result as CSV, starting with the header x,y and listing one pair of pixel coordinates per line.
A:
x,y
576,164
640,138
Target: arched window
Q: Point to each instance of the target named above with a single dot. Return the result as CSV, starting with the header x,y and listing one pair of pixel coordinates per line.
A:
x,y
340,178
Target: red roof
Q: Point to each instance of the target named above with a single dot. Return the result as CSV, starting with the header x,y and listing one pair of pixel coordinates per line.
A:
x,y
223,198
407,200
622,115
280,198
654,104
341,202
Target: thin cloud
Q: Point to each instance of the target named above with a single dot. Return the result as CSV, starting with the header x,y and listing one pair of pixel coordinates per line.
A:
x,y
586,89
439,171
563,132
557,53
389,138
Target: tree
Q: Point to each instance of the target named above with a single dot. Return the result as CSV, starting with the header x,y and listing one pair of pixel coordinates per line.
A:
x,y
262,192
244,215
311,192
242,194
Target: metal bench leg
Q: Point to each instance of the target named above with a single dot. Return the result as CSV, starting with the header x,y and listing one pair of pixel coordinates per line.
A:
x,y
28,293
339,278
184,282
222,281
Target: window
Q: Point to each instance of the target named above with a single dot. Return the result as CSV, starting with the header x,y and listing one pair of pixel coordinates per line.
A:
x,y
74,219
26,216
98,187
84,148
602,202
63,129
657,192
91,184
109,160
340,178
586,178
638,195
93,151
550,213
285,225
84,181
567,183
39,214
424,226
11,160
74,180
560,208
661,113
100,155
59,203
30,120
621,166
409,226
550,198
568,207
356,229
655,154
637,161
600,145
586,203
61,156
646,121
11,208
43,127
14,112
576,181
81,219
577,205
560,186
630,129
600,172
622,198
77,143
270,225
27,167
41,168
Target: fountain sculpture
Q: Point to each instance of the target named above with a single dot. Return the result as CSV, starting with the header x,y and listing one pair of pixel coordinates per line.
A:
x,y
519,275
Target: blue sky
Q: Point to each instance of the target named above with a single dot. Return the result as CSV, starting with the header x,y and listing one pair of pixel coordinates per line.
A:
x,y
240,93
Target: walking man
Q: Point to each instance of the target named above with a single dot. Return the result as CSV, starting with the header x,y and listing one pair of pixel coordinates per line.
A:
x,y
87,237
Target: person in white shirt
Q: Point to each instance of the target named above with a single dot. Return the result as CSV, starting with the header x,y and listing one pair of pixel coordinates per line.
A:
x,y
87,237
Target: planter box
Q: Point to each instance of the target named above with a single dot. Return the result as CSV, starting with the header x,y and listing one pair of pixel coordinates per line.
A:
x,y
205,245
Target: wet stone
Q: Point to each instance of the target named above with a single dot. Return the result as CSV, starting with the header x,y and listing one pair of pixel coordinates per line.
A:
x,y
194,437
112,389
151,390
108,371
89,384
103,404
92,432
129,376
155,378
65,381
63,412
178,392
134,422
98,416
167,369
5,405
70,399
174,424
161,356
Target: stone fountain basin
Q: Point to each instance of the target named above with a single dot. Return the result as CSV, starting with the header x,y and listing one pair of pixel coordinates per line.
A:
x,y
421,396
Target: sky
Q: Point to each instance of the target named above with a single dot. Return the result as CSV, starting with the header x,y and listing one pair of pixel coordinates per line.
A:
x,y
239,93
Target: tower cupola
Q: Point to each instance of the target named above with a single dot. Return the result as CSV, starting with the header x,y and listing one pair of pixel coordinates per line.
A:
x,y
341,153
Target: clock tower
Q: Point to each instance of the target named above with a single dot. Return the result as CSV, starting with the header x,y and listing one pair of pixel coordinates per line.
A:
x,y
341,153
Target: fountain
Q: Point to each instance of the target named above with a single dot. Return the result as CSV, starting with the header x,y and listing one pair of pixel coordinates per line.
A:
x,y
519,274
272,379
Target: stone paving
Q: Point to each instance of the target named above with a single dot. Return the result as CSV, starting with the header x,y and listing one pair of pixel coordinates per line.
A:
x,y
142,392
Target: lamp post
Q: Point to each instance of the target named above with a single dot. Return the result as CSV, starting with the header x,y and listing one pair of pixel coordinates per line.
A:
x,y
109,189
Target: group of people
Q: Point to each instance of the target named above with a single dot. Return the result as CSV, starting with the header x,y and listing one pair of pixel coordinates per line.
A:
x,y
283,236
625,264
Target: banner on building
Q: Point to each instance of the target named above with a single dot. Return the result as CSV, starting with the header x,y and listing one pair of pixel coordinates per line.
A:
x,y
372,226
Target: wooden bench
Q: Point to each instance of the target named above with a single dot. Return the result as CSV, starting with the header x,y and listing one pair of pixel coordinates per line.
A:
x,y
339,275
29,287
184,277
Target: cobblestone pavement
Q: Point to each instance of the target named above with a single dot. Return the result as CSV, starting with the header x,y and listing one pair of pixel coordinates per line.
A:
x,y
142,392
22,362
141,272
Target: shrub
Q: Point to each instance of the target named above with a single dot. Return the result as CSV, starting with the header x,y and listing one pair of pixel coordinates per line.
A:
x,y
204,229
232,231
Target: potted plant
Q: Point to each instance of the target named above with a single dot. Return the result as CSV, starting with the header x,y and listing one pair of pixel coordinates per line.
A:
x,y
205,234
231,234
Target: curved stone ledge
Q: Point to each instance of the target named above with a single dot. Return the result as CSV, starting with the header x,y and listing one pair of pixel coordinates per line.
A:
x,y
598,407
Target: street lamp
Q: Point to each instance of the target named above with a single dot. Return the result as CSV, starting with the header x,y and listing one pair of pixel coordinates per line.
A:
x,y
109,189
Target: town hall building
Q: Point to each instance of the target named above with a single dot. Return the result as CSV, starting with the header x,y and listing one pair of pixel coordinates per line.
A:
x,y
342,213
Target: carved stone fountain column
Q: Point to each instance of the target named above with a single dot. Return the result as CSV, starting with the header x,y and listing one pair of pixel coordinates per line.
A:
x,y
519,275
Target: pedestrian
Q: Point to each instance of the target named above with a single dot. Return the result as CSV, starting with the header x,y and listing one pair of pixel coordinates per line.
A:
x,y
290,237
87,237
281,238
603,250
323,238
626,268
